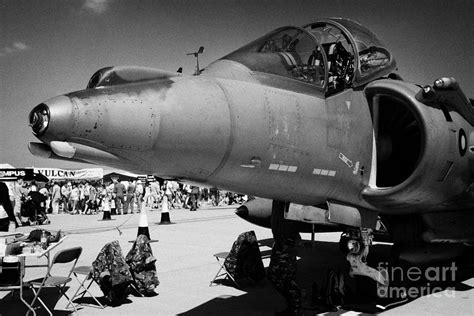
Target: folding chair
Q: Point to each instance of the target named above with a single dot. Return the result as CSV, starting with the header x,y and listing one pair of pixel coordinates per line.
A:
x,y
220,257
86,272
66,256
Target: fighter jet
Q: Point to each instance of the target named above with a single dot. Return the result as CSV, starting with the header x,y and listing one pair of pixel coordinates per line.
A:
x,y
315,116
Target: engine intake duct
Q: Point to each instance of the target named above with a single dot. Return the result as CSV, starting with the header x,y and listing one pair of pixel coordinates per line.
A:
x,y
399,135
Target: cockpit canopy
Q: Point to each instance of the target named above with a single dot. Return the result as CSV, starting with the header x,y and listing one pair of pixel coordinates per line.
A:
x,y
330,55
112,76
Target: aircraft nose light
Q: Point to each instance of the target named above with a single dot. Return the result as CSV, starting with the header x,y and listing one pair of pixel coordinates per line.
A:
x,y
39,119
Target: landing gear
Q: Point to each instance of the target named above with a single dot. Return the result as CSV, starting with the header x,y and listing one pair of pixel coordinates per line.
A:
x,y
356,242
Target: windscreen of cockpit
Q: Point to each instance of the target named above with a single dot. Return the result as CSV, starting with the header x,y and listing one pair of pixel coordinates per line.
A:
x,y
370,57
373,55
340,54
288,52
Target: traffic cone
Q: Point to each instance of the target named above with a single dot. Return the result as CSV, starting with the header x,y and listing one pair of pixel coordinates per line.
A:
x,y
106,211
143,224
106,215
165,213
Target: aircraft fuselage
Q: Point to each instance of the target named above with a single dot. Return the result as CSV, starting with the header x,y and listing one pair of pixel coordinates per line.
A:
x,y
236,135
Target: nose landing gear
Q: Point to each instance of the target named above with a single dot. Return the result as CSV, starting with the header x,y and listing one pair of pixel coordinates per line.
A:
x,y
356,242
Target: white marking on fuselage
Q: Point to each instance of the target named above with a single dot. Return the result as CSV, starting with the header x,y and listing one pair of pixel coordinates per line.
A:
x,y
324,172
273,166
346,160
348,103
282,167
292,168
356,168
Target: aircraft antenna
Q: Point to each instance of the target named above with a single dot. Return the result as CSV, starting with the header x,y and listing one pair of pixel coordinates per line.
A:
x,y
196,54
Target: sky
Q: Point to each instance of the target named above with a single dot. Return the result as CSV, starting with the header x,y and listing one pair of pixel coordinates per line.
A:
x,y
52,47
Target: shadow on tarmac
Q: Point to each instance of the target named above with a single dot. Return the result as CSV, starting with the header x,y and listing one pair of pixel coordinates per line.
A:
x,y
315,260
11,304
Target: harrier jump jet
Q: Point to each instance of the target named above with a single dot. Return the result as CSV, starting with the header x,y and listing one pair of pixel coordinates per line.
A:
x,y
315,116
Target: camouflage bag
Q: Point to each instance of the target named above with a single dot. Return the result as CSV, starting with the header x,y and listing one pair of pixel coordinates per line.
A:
x,y
142,266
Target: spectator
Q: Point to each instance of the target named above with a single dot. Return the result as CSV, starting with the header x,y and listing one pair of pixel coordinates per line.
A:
x,y
34,210
119,191
194,198
91,204
100,196
19,192
87,188
82,197
74,199
129,198
186,195
55,197
7,216
33,187
66,193
47,203
214,192
170,192
148,198
155,193
139,195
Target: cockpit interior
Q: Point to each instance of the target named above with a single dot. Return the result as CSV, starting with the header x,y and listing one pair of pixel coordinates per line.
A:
x,y
330,55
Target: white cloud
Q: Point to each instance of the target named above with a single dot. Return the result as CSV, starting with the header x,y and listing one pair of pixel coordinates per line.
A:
x,y
20,46
14,48
96,6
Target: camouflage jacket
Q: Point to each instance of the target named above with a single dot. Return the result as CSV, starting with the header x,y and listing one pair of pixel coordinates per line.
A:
x,y
111,272
142,265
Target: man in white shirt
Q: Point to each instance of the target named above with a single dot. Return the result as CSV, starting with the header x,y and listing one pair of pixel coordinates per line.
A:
x,y
139,194
18,192
55,197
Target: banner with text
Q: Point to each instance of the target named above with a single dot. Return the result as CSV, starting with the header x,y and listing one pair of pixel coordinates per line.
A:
x,y
81,174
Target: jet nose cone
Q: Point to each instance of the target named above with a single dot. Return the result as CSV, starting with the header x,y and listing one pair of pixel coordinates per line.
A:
x,y
242,212
52,119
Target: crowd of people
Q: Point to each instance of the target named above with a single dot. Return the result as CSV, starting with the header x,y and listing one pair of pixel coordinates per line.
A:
x,y
32,202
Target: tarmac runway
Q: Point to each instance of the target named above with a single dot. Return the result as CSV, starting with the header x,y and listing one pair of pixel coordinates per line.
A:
x,y
185,266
